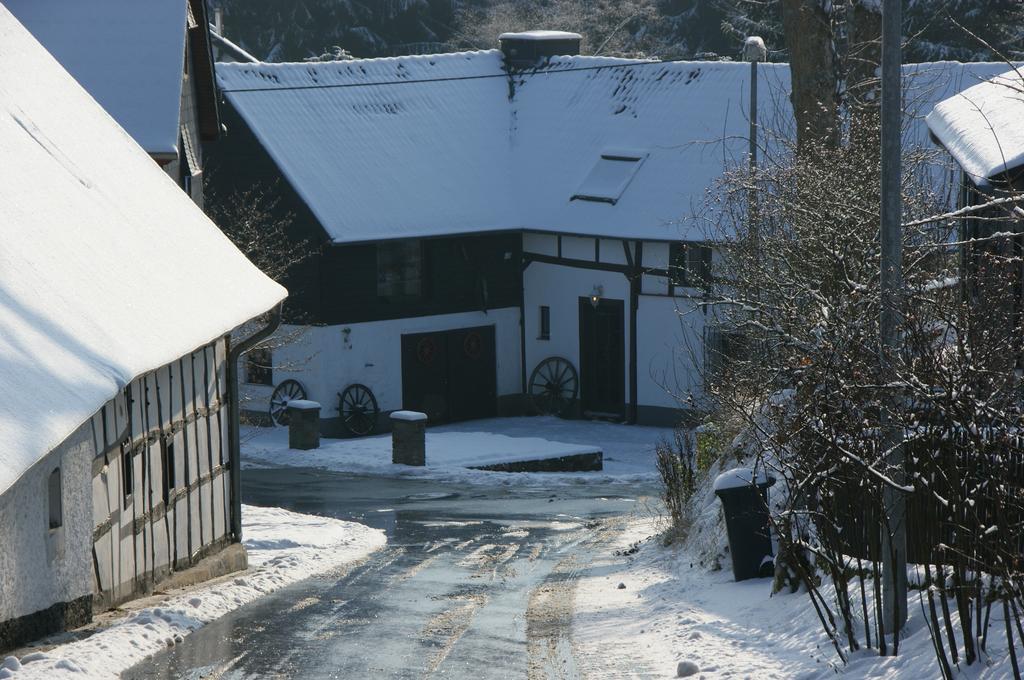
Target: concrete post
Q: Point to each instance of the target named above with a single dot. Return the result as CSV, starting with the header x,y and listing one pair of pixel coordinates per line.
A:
x,y
408,438
303,424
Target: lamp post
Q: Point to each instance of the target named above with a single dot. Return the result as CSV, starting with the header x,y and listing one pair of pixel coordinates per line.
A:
x,y
754,51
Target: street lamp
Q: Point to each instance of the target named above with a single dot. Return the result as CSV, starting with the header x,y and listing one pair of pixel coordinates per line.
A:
x,y
754,51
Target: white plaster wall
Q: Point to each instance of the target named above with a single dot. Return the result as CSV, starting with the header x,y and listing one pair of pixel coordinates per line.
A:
x,y
560,288
669,330
544,244
40,567
578,248
612,251
326,359
670,344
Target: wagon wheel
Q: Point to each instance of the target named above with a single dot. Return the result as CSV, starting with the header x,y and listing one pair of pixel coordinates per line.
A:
x,y
287,390
553,386
358,409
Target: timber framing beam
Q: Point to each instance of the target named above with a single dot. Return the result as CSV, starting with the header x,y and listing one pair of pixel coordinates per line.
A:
x,y
580,264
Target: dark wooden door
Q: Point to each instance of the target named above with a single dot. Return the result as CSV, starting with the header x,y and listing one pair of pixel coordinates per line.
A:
x,y
602,358
472,373
425,374
450,375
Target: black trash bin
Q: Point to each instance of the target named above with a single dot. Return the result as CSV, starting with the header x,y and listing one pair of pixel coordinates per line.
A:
x,y
746,520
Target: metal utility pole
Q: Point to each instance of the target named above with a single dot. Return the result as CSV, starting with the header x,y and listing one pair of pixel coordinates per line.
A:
x,y
894,536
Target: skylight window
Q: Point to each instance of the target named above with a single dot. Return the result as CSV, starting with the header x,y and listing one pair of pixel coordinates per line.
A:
x,y
609,177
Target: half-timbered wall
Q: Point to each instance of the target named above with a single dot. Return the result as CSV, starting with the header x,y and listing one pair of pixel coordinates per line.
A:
x,y
160,484
326,359
670,323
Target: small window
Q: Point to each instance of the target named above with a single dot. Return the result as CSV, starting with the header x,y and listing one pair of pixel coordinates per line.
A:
x,y
127,472
609,177
259,367
399,269
545,323
689,265
167,458
56,504
724,347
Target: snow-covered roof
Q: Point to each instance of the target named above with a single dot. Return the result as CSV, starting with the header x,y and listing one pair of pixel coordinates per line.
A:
x,y
540,36
129,55
983,126
447,144
107,269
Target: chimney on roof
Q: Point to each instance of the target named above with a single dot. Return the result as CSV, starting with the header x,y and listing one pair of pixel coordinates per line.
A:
x,y
523,50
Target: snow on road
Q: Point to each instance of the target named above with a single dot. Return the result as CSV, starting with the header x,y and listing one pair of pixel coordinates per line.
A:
x,y
284,547
629,455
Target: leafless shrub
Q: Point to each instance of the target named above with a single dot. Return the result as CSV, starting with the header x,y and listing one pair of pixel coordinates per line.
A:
x,y
798,279
678,470
254,221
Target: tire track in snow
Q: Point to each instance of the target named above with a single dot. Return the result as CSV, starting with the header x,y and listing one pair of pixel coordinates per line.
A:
x,y
550,649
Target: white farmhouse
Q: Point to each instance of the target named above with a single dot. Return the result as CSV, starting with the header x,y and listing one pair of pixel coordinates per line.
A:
x,y
504,230
117,301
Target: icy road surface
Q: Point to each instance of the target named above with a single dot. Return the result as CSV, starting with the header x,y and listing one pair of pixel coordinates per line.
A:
x,y
474,583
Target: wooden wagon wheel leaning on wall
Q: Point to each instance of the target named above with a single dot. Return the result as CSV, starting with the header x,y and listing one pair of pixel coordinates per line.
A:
x,y
286,390
554,385
358,409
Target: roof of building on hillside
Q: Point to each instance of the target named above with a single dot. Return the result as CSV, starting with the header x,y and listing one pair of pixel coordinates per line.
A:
x,y
107,269
129,55
981,126
447,144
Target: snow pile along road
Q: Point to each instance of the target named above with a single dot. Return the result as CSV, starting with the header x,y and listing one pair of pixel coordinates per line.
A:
x,y
284,547
649,610
645,610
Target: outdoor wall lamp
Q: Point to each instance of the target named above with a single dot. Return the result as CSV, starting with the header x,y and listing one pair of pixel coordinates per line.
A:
x,y
596,295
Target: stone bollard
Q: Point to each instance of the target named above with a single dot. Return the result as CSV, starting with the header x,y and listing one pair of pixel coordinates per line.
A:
x,y
303,424
408,438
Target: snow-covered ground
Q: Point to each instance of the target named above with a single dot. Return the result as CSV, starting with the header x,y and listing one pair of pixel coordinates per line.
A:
x,y
674,610
629,455
284,547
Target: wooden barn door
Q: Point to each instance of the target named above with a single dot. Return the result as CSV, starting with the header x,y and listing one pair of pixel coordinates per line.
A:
x,y
450,375
472,373
425,375
602,358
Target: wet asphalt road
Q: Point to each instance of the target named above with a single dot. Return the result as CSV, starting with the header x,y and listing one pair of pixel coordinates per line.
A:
x,y
474,583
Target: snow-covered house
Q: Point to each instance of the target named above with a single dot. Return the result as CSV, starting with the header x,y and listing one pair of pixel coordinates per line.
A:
x,y
149,63
117,300
981,129
497,223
